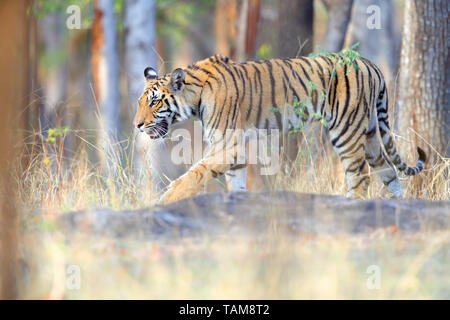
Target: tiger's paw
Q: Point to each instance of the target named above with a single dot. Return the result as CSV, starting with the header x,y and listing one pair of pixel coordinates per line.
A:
x,y
168,197
177,190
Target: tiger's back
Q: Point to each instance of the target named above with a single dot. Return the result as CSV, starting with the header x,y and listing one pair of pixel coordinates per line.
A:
x,y
265,93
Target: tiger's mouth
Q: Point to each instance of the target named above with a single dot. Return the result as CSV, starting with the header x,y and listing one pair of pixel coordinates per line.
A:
x,y
157,131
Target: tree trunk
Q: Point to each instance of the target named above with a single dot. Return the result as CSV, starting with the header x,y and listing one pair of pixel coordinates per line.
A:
x,y
105,66
235,30
140,45
225,27
14,90
140,52
339,13
295,19
393,40
242,32
54,40
254,13
378,43
424,98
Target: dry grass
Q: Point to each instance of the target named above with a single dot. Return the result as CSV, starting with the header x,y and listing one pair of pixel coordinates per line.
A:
x,y
64,183
271,266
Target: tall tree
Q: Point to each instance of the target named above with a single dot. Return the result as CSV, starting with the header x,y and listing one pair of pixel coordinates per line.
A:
x,y
141,52
242,31
424,97
54,40
254,13
373,26
14,90
247,29
105,65
339,13
140,44
225,27
295,19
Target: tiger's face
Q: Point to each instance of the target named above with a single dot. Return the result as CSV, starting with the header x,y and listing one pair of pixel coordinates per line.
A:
x,y
158,106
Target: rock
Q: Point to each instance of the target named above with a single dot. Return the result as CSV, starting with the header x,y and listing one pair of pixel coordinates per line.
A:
x,y
252,213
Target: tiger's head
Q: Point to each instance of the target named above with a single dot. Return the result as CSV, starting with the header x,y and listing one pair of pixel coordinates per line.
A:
x,y
162,103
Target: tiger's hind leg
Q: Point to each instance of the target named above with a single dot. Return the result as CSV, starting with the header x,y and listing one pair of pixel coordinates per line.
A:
x,y
375,158
353,160
236,178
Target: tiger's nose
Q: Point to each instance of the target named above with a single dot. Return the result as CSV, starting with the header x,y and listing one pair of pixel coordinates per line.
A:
x,y
139,125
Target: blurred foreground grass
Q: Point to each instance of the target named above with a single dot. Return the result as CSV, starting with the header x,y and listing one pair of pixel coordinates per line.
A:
x,y
271,267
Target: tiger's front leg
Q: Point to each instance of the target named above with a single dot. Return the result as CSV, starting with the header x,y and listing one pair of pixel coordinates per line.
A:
x,y
195,179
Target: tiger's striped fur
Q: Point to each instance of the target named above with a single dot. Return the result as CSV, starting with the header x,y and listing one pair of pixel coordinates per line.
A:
x,y
229,95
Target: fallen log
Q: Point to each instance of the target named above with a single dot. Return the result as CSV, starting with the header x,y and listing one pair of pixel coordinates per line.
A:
x,y
253,213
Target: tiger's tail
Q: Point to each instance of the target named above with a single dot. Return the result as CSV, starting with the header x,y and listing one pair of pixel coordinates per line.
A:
x,y
388,142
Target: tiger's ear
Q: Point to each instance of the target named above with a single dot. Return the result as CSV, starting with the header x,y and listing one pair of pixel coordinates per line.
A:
x,y
150,73
177,80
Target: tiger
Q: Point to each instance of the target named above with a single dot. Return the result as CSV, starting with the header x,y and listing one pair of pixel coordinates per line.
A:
x,y
223,94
